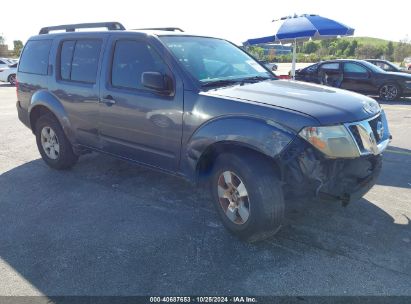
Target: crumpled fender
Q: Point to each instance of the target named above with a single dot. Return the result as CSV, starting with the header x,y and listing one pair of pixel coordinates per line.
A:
x,y
265,136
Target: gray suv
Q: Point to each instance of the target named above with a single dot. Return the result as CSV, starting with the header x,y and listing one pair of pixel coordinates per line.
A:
x,y
202,109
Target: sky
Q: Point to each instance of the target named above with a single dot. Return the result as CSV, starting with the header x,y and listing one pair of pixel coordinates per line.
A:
x,y
236,21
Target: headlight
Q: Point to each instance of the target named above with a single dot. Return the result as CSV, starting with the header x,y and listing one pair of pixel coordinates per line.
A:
x,y
371,106
333,141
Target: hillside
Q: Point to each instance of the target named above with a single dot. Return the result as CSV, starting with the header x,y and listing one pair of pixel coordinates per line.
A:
x,y
370,41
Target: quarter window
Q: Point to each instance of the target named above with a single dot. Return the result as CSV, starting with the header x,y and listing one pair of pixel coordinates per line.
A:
x,y
131,59
79,60
35,57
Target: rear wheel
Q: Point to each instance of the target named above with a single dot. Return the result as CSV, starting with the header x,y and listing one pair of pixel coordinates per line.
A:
x,y
389,91
12,79
53,145
247,195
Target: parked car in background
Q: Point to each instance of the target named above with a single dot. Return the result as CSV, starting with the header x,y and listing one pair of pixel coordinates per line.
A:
x,y
269,65
8,74
8,60
4,63
387,65
407,63
358,75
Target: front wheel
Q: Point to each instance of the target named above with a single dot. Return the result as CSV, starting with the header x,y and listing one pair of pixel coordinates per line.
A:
x,y
389,91
247,195
53,145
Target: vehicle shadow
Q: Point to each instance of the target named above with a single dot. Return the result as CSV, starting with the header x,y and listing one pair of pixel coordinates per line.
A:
x,y
396,170
400,101
109,228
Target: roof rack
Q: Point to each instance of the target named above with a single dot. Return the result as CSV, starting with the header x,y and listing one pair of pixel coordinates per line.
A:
x,y
72,27
168,29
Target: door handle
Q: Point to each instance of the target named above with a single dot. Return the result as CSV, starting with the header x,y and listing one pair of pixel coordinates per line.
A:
x,y
108,100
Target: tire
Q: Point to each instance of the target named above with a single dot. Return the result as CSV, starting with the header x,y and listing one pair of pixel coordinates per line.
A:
x,y
389,91
12,79
264,201
54,139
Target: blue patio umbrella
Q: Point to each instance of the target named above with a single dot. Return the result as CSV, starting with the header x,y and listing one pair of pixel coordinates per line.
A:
x,y
295,28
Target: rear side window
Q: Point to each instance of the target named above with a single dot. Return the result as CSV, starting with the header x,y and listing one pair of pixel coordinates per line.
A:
x,y
35,57
79,60
331,66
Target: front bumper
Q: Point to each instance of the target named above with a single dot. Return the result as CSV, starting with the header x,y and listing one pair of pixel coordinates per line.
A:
x,y
307,173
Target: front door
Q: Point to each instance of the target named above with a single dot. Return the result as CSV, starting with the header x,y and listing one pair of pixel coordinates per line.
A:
x,y
357,78
136,122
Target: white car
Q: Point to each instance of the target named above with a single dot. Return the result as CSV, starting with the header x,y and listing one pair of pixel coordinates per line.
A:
x,y
8,74
4,63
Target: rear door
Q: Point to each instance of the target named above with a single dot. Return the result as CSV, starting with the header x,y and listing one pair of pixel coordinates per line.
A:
x,y
77,68
330,73
135,122
357,78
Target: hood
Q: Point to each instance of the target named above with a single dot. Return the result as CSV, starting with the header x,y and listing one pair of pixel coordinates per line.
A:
x,y
327,105
404,75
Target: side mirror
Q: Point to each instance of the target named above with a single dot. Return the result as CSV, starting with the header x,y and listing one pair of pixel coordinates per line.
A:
x,y
156,81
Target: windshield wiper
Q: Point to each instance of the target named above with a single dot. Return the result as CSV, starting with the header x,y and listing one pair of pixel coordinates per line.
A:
x,y
220,83
255,79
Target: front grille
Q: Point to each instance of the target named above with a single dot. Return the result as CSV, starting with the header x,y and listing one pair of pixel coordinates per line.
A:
x,y
365,134
357,137
373,124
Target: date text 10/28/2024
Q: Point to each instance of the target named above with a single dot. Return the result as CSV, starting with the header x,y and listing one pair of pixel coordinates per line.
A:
x,y
203,300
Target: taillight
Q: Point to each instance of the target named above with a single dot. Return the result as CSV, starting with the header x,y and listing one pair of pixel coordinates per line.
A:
x,y
17,86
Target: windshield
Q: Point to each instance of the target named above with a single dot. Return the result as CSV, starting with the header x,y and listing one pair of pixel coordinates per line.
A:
x,y
214,60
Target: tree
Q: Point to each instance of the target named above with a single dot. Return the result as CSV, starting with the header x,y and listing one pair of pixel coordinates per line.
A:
x,y
402,50
389,51
256,51
18,46
350,50
368,51
310,47
2,40
341,46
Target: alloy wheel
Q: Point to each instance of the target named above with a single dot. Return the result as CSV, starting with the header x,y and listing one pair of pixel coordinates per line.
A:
x,y
233,197
389,91
50,143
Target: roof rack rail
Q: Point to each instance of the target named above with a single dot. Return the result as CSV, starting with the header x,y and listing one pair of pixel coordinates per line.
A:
x,y
168,29
72,27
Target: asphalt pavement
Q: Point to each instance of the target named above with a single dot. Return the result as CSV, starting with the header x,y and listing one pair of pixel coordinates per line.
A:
x,y
107,227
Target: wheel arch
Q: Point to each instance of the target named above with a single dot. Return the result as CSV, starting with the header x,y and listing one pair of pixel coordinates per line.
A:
x,y
244,135
391,81
43,102
9,77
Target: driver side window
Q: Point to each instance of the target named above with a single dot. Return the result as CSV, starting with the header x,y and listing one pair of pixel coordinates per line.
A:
x,y
354,68
131,59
